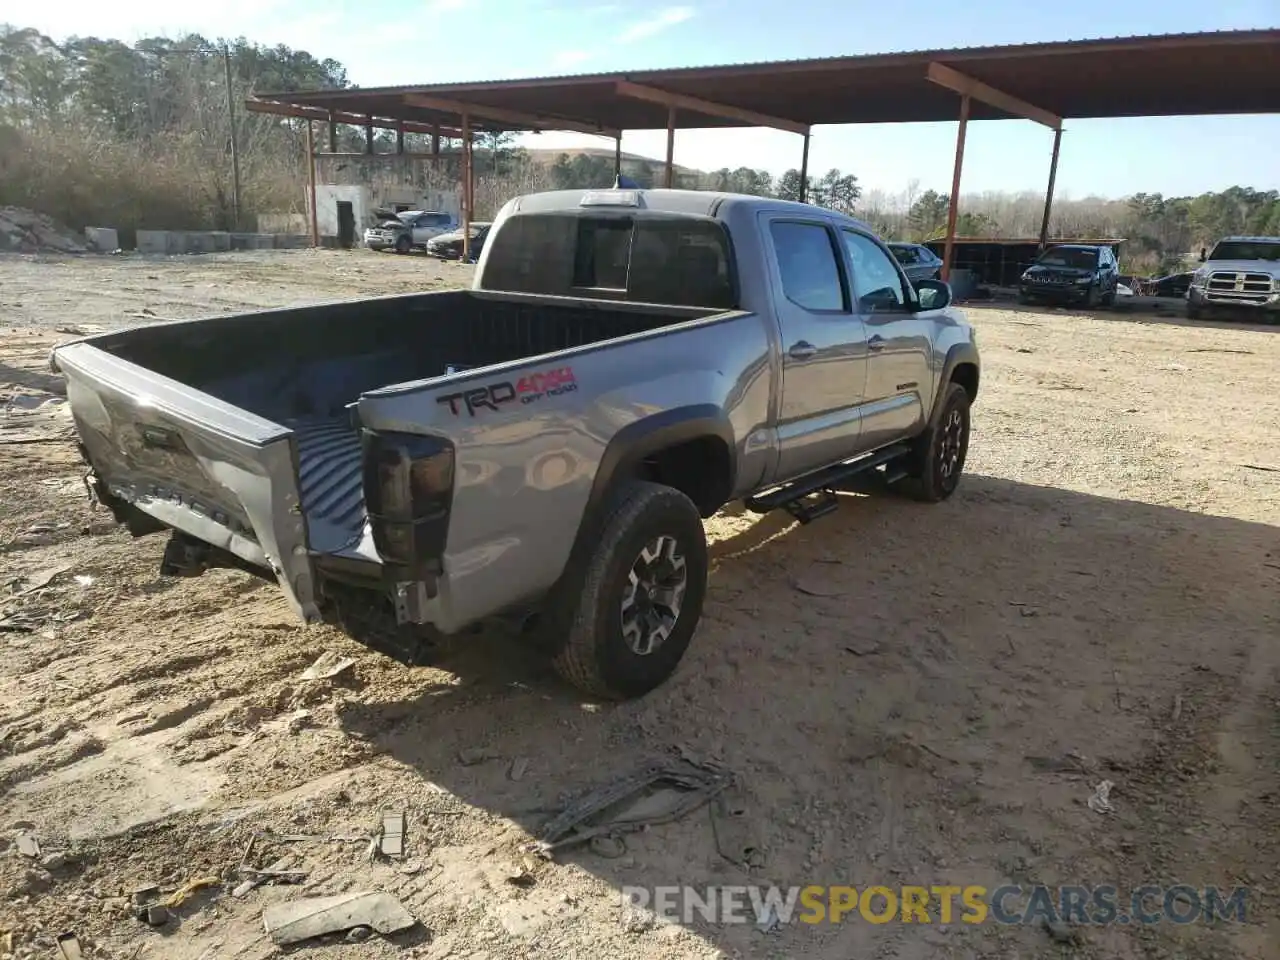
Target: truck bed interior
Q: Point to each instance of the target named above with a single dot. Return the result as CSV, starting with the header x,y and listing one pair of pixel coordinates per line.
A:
x,y
301,367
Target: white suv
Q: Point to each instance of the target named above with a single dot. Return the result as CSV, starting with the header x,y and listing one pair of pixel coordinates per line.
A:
x,y
408,230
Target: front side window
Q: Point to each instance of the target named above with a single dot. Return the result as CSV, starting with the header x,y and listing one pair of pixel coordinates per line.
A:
x,y
906,255
807,264
877,287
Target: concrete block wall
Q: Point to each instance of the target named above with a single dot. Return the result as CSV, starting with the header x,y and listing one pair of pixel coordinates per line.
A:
x,y
177,242
102,239
153,241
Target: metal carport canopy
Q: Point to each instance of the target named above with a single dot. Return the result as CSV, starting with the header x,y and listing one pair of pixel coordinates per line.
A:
x,y
1226,72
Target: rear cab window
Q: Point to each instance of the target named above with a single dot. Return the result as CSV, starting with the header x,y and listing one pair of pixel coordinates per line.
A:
x,y
643,258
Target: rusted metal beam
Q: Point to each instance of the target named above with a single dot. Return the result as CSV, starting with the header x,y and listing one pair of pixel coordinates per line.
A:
x,y
311,183
617,160
669,171
967,86
804,169
368,135
333,134
953,206
400,138
341,116
637,91
1048,194
518,120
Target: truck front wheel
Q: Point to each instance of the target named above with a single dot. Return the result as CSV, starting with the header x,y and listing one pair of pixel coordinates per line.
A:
x,y
623,619
938,458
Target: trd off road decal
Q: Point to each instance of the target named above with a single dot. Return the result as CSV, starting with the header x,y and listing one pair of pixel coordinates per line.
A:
x,y
494,396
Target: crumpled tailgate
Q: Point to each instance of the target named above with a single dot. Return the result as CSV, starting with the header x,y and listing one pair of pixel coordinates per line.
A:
x,y
193,462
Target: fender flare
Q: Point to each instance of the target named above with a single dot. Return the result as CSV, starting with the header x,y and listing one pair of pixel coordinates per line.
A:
x,y
625,451
958,354
637,440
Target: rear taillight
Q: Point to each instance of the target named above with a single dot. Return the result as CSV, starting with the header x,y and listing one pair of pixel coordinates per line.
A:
x,y
408,491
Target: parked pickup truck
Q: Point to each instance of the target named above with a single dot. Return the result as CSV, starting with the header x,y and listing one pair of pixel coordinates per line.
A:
x,y
1241,275
542,447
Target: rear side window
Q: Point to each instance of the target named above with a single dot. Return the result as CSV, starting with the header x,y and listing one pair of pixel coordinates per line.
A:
x,y
906,255
808,266
647,259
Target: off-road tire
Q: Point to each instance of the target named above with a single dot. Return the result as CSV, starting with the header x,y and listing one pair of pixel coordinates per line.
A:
x,y
403,244
1109,298
583,623
1193,311
928,482
1091,297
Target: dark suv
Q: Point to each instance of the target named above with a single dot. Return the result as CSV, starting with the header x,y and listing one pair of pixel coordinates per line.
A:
x,y
1072,273
918,262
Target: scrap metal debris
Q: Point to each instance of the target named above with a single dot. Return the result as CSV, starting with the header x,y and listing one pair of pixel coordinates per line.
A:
x,y
276,872
1100,800
391,840
734,832
654,793
474,755
39,580
327,666
156,915
298,920
769,921
518,767
28,844
69,947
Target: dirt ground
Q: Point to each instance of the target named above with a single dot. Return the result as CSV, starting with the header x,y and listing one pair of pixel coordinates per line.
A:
x,y
907,694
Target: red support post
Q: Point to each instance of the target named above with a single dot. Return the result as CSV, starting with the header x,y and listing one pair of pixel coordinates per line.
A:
x,y
954,205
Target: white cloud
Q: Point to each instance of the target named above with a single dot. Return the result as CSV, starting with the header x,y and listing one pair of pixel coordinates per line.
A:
x,y
663,20
567,59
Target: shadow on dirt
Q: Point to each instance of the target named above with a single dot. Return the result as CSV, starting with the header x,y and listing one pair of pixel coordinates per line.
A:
x,y
32,380
886,684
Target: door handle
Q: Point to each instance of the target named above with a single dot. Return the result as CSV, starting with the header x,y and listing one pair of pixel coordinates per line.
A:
x,y
802,350
876,343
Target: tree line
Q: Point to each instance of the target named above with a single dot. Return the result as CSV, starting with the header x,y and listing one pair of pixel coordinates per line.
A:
x,y
97,131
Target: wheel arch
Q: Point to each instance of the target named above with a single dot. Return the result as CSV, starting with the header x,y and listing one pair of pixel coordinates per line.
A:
x,y
689,448
960,366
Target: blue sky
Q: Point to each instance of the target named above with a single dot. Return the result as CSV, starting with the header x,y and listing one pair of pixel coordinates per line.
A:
x,y
424,41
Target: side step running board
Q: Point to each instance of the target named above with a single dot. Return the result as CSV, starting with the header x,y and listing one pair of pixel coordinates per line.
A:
x,y
825,481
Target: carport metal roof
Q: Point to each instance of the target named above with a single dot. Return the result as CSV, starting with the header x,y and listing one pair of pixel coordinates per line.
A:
x,y
1168,75
1227,72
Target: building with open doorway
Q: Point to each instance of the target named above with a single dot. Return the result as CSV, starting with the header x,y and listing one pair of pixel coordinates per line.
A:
x,y
352,190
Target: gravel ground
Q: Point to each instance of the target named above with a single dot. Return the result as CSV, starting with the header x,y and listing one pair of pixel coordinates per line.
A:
x,y
909,695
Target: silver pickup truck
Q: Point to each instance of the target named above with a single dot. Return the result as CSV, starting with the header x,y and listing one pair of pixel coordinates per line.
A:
x,y
542,447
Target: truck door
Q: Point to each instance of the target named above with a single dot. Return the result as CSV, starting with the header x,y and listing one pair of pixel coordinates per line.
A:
x,y
899,381
824,349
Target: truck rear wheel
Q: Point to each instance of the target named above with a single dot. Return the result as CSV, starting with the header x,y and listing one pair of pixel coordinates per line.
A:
x,y
938,458
622,620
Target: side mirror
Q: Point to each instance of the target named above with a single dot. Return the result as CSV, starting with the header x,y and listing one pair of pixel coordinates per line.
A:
x,y
933,294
